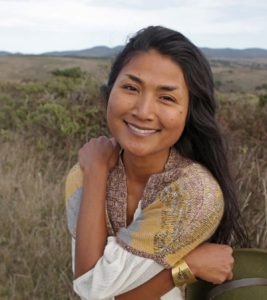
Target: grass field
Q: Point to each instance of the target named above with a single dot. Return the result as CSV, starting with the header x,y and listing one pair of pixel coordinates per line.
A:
x,y
28,68
44,119
35,248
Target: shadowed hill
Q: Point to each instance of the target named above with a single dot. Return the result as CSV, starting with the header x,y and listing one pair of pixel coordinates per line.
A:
x,y
98,51
235,53
103,51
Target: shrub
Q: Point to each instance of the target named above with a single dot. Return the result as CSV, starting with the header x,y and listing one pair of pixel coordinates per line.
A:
x,y
75,72
61,86
33,88
53,117
261,87
262,100
11,112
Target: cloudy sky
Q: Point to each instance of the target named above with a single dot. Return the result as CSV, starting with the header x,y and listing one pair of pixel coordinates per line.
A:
x,y
36,26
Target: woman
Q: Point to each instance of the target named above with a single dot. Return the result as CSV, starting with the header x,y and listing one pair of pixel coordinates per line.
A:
x,y
152,194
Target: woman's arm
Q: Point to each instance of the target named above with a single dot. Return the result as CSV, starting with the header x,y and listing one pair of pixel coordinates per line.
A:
x,y
119,271
96,158
153,289
90,244
116,272
210,262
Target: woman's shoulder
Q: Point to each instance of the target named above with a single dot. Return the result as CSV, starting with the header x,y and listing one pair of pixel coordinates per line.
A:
x,y
194,172
195,183
186,169
73,193
74,181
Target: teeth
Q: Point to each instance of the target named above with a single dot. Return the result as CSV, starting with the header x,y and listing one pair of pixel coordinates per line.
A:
x,y
142,131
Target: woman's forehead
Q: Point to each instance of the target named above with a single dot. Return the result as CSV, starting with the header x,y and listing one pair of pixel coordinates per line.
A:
x,y
152,65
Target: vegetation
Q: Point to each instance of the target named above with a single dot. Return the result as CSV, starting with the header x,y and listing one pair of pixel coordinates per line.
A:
x,y
262,86
70,72
262,100
44,121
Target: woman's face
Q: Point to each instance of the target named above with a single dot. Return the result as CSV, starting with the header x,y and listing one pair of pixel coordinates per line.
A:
x,y
148,104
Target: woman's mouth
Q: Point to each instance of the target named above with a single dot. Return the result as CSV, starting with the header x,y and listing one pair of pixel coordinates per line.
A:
x,y
141,131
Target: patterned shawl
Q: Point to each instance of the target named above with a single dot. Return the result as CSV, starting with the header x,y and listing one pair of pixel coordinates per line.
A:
x,y
180,208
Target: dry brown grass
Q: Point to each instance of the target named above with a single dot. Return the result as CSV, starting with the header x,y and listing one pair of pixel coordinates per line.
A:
x,y
16,68
240,75
34,245
245,125
251,180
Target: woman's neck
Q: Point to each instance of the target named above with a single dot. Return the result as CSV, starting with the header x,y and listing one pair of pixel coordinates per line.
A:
x,y
139,169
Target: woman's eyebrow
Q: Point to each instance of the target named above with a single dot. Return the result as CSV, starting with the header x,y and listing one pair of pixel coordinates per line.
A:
x,y
168,88
161,87
135,78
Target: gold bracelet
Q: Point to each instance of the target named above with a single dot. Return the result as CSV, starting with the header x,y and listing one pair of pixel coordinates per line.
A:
x,y
181,274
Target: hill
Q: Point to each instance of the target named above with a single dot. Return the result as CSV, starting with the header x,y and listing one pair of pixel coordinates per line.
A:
x,y
235,53
98,51
104,51
4,53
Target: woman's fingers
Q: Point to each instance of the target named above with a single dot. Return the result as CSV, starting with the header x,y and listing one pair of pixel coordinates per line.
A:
x,y
97,152
211,262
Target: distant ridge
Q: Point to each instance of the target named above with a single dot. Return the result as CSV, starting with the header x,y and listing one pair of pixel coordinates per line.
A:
x,y
235,53
103,51
98,51
4,53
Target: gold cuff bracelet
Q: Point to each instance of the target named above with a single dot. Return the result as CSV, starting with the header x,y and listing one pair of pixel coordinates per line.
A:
x,y
181,274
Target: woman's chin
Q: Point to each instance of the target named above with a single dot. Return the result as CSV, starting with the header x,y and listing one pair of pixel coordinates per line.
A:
x,y
139,151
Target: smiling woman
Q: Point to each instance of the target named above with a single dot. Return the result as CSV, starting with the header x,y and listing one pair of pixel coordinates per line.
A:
x,y
143,205
148,105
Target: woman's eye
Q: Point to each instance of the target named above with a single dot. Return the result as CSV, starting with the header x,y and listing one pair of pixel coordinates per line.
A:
x,y
129,88
167,98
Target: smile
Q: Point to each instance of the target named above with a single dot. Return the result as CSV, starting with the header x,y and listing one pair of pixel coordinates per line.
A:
x,y
141,131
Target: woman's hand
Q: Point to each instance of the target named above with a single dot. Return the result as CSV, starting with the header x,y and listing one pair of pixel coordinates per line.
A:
x,y
211,262
100,152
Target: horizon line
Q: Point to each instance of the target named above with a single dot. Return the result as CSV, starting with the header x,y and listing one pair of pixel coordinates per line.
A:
x,y
109,47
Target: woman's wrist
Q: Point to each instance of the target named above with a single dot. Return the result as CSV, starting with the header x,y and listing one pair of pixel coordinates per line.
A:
x,y
96,173
182,274
94,184
192,266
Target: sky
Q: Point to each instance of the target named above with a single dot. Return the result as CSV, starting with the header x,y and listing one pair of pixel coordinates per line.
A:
x,y
37,26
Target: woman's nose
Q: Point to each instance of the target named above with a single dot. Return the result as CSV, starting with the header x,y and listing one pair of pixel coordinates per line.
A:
x,y
144,108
